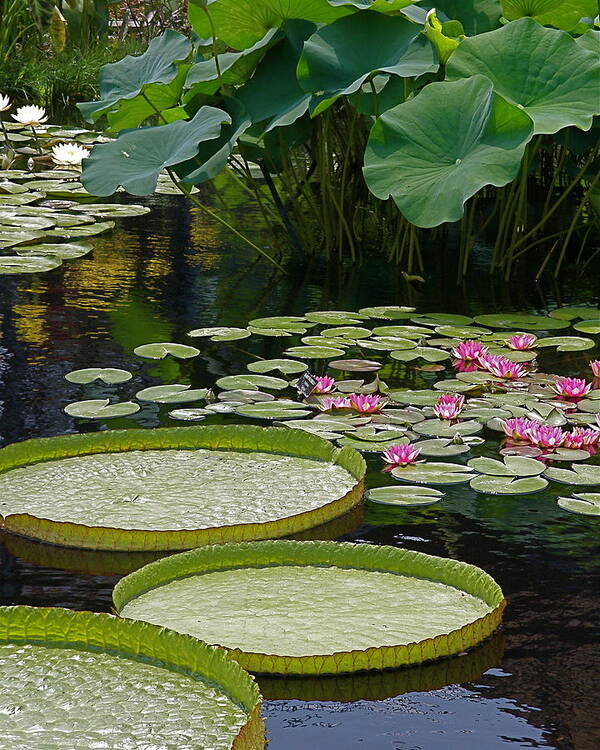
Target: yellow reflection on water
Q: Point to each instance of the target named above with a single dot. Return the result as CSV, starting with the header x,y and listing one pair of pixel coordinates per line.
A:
x,y
30,323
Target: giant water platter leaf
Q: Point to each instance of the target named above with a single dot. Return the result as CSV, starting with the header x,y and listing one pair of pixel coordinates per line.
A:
x,y
174,488
361,607
62,658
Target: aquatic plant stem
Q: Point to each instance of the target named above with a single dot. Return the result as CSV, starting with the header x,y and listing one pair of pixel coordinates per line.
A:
x,y
221,221
214,47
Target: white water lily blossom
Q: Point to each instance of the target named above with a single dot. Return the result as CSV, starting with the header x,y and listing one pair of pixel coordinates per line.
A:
x,y
68,154
4,103
30,115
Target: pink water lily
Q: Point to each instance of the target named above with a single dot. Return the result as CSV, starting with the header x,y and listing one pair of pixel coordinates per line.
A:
x,y
469,350
365,404
572,387
581,437
522,342
502,367
465,365
336,403
595,365
517,428
545,435
449,406
400,455
324,385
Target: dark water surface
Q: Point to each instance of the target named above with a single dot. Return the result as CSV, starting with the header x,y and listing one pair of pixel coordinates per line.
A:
x,y
534,685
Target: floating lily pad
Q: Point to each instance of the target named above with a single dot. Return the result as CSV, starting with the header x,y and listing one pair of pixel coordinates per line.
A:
x,y
273,410
220,333
76,233
175,393
404,496
107,375
588,326
326,341
437,447
405,606
370,446
101,409
292,323
521,320
387,343
174,488
441,319
11,236
335,317
580,474
113,210
444,428
404,332
356,365
418,398
567,343
62,250
420,352
271,332
572,313
495,485
433,473
567,455
252,382
387,312
461,332
585,503
347,332
11,264
212,701
245,396
164,349
511,466
314,352
285,366
189,415
24,222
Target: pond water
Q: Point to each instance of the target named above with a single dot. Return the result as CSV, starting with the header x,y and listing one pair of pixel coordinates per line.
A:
x,y
160,275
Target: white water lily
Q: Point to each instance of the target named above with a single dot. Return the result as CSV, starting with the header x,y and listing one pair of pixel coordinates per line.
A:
x,y
4,103
30,115
68,154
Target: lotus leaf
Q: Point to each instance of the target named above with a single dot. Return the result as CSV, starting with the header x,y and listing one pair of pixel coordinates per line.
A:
x,y
580,474
285,366
132,75
11,264
175,393
107,375
549,77
585,503
165,349
101,409
220,333
476,16
252,382
135,159
199,593
433,152
564,14
339,58
433,473
404,496
495,485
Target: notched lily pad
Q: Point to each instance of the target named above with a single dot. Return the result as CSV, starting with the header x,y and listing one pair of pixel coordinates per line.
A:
x,y
13,264
585,503
407,497
495,485
252,382
107,375
175,393
285,366
220,333
164,349
101,409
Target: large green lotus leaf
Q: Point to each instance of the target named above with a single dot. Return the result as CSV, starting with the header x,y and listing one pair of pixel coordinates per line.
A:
x,y
273,95
212,701
445,428
494,485
101,409
12,264
175,393
242,23
405,607
585,503
580,474
433,473
476,16
220,333
139,489
542,71
136,158
253,382
107,375
165,349
404,496
285,366
590,41
433,152
564,14
131,75
526,321
339,58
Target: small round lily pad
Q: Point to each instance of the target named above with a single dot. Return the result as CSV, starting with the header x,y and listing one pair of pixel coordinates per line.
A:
x,y
355,365
107,375
404,496
165,349
252,382
285,366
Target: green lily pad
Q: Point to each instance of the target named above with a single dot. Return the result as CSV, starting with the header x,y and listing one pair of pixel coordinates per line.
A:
x,y
273,332
420,352
113,210
62,250
387,343
433,473
212,701
572,313
521,320
9,237
347,332
433,152
273,410
101,409
326,341
334,317
175,393
422,397
437,447
189,415
495,485
11,264
76,233
567,343
242,396
580,474
291,323
107,375
552,79
314,352
588,326
220,333
285,366
511,466
165,349
585,503
441,319
403,608
461,332
387,312
443,428
404,496
24,222
356,365
403,332
369,446
567,454
252,382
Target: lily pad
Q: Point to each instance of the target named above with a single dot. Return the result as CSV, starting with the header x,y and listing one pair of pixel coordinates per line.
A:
x,y
101,409
588,326
511,466
285,366
273,410
62,250
175,393
314,352
290,323
252,382
521,320
433,473
334,317
394,616
76,233
174,488
11,264
444,428
406,497
164,349
347,332
189,415
107,375
580,474
495,485
422,397
356,365
212,701
420,352
437,447
220,333
585,503
387,312
11,236
567,343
